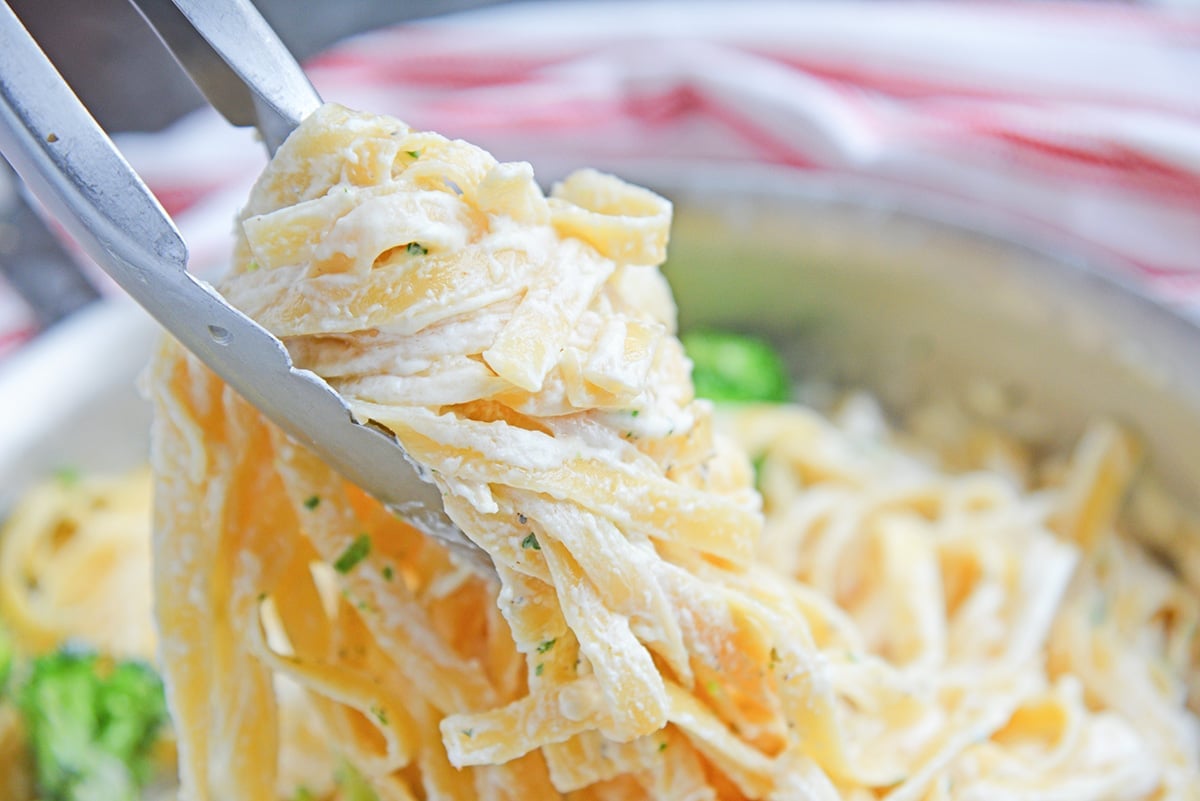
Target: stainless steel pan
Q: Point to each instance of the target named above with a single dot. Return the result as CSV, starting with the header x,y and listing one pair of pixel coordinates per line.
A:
x,y
900,296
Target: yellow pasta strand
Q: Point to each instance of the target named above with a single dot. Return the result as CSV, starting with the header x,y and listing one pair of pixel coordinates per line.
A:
x,y
862,624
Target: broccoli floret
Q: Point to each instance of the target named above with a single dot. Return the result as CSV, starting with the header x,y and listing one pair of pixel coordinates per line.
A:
x,y
92,725
735,368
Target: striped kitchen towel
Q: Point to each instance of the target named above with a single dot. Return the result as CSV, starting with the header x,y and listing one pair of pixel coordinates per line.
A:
x,y
1082,121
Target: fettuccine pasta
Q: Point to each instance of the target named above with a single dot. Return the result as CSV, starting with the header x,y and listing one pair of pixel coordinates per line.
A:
x,y
73,565
867,626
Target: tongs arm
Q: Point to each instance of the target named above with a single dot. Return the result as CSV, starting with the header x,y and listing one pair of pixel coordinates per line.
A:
x,y
75,170
235,59
70,164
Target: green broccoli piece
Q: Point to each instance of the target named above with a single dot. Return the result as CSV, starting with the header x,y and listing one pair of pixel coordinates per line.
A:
x,y
732,368
92,725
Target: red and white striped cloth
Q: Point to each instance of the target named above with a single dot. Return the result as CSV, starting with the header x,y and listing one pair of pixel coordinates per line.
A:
x,y
1082,120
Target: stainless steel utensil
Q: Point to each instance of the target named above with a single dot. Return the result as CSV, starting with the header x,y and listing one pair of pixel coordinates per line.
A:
x,y
74,169
237,61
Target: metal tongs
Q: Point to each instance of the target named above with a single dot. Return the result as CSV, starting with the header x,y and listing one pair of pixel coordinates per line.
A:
x,y
73,168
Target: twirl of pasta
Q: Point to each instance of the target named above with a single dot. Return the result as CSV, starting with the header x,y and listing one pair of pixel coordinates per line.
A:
x,y
888,633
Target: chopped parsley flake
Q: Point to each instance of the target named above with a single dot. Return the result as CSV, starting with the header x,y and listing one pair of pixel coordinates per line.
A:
x,y
252,266
380,714
633,413
758,463
416,249
530,541
352,785
537,671
547,645
662,746
354,553
67,476
312,502
468,732
303,794
388,573
416,154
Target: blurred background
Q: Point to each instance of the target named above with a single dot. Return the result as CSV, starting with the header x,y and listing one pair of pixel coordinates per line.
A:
x,y
106,52
1074,121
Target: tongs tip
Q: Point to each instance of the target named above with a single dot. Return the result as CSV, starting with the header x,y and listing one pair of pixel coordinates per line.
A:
x,y
237,61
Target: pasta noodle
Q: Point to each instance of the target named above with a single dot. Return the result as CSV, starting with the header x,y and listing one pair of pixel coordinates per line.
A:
x,y
930,638
75,572
73,565
841,617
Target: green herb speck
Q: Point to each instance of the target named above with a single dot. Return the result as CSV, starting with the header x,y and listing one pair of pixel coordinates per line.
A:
x,y
547,645
530,541
416,249
758,463
537,671
388,573
68,476
354,553
312,502
416,154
